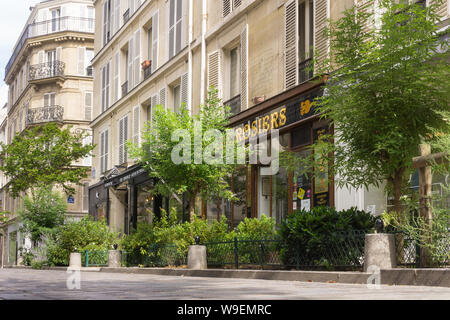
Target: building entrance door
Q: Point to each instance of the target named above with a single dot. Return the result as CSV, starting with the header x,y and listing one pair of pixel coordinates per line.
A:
x,y
12,259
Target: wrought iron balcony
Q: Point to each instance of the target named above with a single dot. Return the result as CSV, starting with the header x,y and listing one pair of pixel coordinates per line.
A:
x,y
147,72
305,70
37,29
46,70
124,88
235,104
89,71
45,114
126,16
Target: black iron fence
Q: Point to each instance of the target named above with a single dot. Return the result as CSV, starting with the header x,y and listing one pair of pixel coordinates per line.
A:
x,y
157,255
339,251
409,250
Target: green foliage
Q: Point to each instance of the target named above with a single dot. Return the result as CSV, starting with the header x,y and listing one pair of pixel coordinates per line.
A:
x,y
256,229
432,235
388,92
158,145
79,236
44,155
313,233
42,212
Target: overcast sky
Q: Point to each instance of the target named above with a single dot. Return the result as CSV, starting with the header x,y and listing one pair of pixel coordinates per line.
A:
x,y
13,16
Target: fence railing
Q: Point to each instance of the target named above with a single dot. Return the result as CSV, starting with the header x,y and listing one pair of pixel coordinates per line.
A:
x,y
157,255
408,250
95,258
340,251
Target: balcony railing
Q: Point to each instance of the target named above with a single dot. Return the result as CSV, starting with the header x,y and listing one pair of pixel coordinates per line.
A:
x,y
147,72
305,70
235,104
46,70
45,114
89,71
126,16
124,88
37,29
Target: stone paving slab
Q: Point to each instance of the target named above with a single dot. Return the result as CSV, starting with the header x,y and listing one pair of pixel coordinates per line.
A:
x,y
51,284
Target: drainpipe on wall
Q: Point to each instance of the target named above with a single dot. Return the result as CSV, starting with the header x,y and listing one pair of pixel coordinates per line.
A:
x,y
190,76
203,66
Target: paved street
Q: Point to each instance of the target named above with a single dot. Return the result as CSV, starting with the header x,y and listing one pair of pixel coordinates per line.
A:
x,y
44,285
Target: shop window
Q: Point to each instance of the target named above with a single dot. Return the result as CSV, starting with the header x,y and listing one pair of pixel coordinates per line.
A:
x,y
301,136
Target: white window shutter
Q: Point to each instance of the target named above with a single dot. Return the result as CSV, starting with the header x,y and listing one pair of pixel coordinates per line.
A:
x,y
214,73
244,68
227,7
179,30
321,43
136,124
106,150
46,100
236,3
102,81
81,62
125,134
88,97
87,161
171,28
130,63
102,152
131,6
107,88
121,141
116,15
137,58
291,44
116,84
153,104
155,31
162,97
111,18
59,53
105,22
184,90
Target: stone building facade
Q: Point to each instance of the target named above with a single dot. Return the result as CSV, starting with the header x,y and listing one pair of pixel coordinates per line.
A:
x,y
50,79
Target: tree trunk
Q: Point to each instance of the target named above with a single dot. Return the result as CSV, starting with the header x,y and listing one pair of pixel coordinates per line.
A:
x,y
192,207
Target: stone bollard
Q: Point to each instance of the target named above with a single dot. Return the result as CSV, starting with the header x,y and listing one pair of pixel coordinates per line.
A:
x,y
379,251
115,259
75,260
197,257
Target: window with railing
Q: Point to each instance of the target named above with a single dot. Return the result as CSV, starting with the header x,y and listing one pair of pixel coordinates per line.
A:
x,y
45,70
41,28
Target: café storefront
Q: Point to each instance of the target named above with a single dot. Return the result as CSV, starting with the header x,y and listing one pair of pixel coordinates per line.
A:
x,y
125,198
293,113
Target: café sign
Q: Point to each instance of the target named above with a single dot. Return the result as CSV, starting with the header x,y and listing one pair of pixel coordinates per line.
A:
x,y
296,110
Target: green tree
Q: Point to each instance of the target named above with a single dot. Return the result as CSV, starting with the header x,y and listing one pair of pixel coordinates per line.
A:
x,y
42,213
389,93
194,179
44,156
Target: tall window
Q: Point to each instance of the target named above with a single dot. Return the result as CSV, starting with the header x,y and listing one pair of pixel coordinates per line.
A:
x,y
305,47
85,196
176,98
105,86
175,26
235,70
104,150
56,19
49,99
88,102
106,21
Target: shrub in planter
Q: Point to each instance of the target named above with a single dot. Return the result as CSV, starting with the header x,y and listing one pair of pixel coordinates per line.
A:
x,y
324,237
79,236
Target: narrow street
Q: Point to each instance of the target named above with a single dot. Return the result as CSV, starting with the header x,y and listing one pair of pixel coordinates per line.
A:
x,y
21,284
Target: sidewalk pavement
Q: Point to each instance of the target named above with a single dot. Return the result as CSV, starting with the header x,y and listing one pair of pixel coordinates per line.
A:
x,y
408,277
